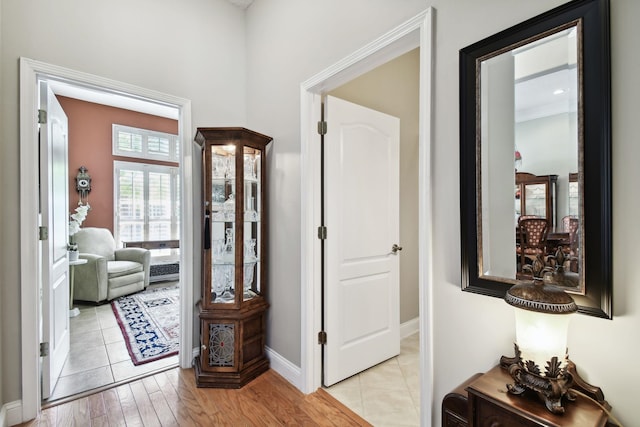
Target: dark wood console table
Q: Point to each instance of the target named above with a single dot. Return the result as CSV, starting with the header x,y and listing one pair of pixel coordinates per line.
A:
x,y
483,400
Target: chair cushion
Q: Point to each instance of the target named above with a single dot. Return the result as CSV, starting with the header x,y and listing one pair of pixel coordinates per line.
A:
x,y
122,268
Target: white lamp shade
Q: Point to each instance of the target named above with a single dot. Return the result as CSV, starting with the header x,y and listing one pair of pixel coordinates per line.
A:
x,y
541,336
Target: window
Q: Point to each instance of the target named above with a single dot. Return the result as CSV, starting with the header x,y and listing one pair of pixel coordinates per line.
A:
x,y
146,203
145,144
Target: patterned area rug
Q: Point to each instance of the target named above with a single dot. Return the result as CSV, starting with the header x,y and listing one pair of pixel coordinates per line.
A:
x,y
150,323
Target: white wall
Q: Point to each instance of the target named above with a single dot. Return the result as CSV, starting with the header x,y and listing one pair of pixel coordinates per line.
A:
x,y
193,50
289,41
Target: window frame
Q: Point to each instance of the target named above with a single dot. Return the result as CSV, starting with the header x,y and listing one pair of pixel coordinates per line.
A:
x,y
146,168
173,154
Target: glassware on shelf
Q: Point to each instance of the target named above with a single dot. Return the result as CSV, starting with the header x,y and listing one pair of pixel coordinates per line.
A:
x,y
230,171
218,216
248,280
228,248
222,285
217,193
250,167
230,207
218,247
219,166
250,250
250,212
219,281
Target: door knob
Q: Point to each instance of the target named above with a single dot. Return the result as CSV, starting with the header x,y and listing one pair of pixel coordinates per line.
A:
x,y
395,248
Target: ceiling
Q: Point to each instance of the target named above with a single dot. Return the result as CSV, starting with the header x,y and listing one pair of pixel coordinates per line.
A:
x,y
243,4
99,96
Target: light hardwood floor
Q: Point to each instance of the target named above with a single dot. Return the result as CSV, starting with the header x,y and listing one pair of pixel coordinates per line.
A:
x,y
171,398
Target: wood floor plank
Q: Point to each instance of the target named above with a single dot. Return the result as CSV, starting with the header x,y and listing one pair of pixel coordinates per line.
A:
x,y
96,405
180,407
64,416
113,409
171,398
283,405
100,421
145,408
48,417
128,405
80,412
162,409
150,384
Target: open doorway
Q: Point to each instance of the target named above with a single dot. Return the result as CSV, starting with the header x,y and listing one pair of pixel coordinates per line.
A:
x,y
127,153
389,391
32,72
416,32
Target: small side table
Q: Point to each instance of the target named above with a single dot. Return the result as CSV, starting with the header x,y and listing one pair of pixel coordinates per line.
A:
x,y
73,312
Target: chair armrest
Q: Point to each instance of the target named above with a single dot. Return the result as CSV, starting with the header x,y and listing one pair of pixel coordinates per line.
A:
x,y
91,278
143,256
133,254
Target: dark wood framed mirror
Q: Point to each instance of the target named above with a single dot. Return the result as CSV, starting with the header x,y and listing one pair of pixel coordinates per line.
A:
x,y
535,142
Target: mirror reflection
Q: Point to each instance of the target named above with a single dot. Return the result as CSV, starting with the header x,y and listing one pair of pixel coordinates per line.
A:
x,y
529,157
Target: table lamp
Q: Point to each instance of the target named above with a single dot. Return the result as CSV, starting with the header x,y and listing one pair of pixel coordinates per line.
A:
x,y
542,315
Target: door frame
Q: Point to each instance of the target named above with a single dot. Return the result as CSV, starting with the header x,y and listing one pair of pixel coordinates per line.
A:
x,y
30,72
416,32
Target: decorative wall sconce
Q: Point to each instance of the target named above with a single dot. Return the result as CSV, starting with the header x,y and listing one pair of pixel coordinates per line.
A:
x,y
83,185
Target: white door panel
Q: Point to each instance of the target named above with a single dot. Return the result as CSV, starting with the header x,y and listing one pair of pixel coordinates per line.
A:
x,y
54,204
362,309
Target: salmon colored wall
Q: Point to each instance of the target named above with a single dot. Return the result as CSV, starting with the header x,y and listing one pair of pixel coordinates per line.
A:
x,y
90,146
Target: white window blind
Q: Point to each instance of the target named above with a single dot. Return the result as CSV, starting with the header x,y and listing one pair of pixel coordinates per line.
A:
x,y
146,202
144,144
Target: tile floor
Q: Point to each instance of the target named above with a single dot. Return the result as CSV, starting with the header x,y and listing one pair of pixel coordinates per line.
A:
x,y
387,394
98,355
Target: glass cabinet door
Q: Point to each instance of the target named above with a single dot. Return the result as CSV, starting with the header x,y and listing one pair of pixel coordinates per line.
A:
x,y
223,201
535,200
252,216
230,244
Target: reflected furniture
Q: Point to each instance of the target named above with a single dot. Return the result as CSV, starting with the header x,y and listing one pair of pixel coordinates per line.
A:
x,y
109,272
533,239
233,304
482,400
536,195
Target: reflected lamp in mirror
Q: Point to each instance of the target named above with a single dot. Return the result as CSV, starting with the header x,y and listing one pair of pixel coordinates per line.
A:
x,y
540,364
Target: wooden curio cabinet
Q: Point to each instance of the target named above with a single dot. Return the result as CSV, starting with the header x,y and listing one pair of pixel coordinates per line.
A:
x,y
536,196
233,305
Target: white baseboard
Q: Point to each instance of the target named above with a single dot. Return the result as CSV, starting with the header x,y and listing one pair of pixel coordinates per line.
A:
x,y
282,366
409,327
11,414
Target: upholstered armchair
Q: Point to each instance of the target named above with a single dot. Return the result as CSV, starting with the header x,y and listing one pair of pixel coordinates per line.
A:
x,y
109,272
533,238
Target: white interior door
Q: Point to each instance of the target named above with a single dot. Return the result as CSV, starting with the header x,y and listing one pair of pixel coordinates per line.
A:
x,y
362,307
54,206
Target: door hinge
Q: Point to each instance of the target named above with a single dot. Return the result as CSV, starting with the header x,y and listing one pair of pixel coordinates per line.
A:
x,y
322,127
44,349
42,116
322,338
43,233
322,232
